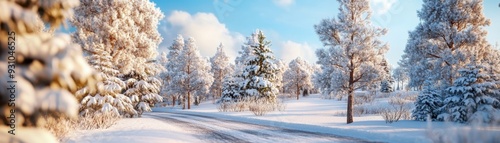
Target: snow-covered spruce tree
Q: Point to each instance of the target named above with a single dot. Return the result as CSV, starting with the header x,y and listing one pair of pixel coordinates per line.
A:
x,y
108,99
353,59
259,74
449,33
472,97
45,69
230,90
127,30
387,80
193,77
298,77
163,60
173,66
428,103
220,68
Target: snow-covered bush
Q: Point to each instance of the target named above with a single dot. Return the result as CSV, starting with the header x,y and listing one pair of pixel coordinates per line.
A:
x,y
399,108
97,121
60,126
261,107
363,97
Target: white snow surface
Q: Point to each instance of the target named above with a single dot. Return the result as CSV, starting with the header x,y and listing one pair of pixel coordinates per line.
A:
x,y
134,130
311,114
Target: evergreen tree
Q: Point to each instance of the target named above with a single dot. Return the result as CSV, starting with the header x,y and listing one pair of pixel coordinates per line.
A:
x,y
173,66
260,71
387,80
428,103
48,69
353,59
230,90
220,68
471,97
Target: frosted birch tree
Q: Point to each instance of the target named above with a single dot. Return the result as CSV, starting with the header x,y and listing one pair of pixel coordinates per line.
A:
x,y
353,58
39,71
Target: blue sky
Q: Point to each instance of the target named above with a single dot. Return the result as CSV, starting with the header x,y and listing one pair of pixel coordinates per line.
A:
x,y
288,24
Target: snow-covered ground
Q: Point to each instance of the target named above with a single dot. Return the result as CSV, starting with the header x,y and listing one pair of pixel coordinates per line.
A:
x,y
309,114
134,130
324,117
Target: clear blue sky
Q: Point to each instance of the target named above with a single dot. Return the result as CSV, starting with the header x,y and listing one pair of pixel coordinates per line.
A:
x,y
288,23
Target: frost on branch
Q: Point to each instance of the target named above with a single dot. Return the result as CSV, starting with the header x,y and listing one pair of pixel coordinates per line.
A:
x,y
48,68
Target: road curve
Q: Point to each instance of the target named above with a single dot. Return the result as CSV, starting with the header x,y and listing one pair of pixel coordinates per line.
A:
x,y
218,130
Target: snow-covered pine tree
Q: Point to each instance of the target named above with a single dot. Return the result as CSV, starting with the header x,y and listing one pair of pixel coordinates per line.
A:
x,y
173,66
194,78
259,74
298,77
353,59
47,69
127,30
108,99
387,80
472,97
230,90
428,103
220,68
449,33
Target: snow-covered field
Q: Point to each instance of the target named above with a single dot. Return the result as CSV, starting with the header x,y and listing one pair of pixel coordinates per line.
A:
x,y
310,114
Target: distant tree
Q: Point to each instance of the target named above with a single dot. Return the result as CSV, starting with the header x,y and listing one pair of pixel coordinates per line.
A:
x,y
400,75
298,77
353,59
387,80
282,67
173,66
220,69
47,69
259,74
193,77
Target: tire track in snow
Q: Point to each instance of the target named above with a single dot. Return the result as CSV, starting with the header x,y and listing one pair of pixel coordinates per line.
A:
x,y
208,133
259,133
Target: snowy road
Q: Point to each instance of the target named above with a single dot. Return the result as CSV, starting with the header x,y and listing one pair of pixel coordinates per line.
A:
x,y
212,129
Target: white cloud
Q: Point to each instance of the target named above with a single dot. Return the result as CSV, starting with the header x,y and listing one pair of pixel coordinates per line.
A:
x,y
205,28
283,3
289,50
382,6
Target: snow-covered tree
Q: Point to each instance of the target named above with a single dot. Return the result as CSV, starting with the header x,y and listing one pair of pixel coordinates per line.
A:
x,y
282,67
298,77
387,80
353,59
259,75
220,68
127,31
428,103
472,97
449,33
39,71
230,90
401,76
173,66
193,77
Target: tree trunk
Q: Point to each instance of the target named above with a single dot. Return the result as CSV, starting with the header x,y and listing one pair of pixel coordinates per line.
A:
x,y
189,100
298,91
350,95
173,101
